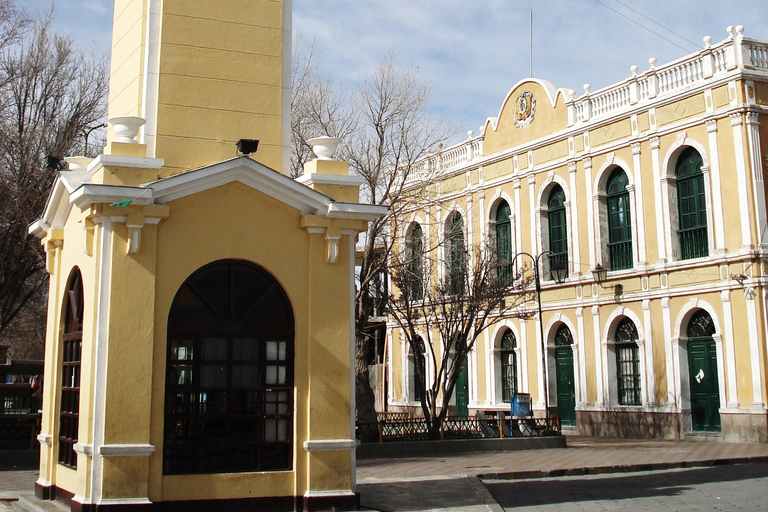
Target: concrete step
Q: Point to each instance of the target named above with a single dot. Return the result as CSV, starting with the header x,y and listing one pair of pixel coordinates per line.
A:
x,y
30,503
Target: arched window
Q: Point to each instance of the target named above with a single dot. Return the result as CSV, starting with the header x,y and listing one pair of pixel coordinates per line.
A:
x,y
504,240
455,254
229,373
72,348
692,203
415,263
627,363
508,365
619,221
558,237
415,384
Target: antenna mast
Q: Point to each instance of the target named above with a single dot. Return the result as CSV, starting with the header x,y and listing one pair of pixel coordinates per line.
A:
x,y
530,32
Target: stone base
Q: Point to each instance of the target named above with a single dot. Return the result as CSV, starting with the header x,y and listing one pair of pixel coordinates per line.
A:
x,y
744,427
272,504
636,424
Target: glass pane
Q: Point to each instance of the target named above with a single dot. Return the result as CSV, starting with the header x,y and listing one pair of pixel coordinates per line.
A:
x,y
182,350
245,376
214,376
245,349
214,349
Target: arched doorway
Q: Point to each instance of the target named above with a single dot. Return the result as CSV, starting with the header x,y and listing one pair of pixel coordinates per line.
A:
x,y
462,390
702,371
566,391
229,373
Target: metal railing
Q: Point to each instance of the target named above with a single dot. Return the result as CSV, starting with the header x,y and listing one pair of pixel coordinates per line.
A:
x,y
694,243
621,255
394,429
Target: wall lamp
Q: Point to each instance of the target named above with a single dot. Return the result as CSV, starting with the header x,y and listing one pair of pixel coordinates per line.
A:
x,y
247,146
600,273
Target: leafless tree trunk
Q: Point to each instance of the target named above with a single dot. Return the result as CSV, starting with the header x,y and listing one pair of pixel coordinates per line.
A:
x,y
51,94
441,318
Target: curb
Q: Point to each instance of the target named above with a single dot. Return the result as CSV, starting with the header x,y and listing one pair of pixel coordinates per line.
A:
x,y
629,468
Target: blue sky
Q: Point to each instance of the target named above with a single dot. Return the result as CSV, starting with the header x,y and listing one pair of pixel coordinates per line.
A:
x,y
473,52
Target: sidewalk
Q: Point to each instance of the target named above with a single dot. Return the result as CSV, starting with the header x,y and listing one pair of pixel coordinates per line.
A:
x,y
452,483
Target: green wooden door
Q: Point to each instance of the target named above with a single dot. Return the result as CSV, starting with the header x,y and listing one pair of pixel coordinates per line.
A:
x,y
566,395
462,392
705,394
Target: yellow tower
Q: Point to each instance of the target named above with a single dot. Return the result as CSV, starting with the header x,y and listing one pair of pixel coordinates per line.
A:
x,y
199,348
203,74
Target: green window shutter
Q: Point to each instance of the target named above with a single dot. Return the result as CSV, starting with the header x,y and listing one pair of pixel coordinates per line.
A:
x,y
692,203
619,221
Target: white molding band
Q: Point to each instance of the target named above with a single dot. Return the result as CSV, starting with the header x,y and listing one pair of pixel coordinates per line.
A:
x,y
83,449
328,494
45,439
330,179
329,445
126,450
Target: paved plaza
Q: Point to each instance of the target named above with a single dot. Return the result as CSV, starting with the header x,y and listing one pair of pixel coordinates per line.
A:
x,y
591,474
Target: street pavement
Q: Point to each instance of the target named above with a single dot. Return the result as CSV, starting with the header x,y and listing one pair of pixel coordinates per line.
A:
x,y
591,474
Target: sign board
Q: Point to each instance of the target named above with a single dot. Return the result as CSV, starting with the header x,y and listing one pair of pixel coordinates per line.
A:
x,y
521,405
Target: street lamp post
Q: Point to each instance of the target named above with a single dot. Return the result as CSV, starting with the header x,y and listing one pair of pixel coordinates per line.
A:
x,y
558,274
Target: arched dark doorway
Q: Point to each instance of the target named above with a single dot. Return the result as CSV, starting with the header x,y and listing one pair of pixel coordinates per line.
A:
x,y
702,371
229,373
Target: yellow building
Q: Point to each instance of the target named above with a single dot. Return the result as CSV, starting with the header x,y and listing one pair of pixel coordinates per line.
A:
x,y
658,179
199,343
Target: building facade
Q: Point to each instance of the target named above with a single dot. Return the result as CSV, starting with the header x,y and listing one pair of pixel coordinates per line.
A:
x,y
659,180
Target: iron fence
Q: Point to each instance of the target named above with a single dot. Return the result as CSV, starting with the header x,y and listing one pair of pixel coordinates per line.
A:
x,y
392,428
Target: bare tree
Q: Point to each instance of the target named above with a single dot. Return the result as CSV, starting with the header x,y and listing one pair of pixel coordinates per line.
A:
x,y
385,128
51,98
441,318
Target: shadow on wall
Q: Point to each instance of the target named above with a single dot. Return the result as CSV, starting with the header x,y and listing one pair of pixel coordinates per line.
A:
x,y
648,425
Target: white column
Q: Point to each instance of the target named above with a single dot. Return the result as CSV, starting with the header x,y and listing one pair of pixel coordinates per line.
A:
x,y
518,217
525,388
756,164
717,196
535,212
758,402
730,351
582,376
658,190
673,383
741,180
541,370
649,366
490,368
574,224
598,357
638,207
99,373
590,212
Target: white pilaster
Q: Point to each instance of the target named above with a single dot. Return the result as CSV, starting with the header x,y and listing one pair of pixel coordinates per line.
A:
x,y
600,401
730,351
575,254
717,196
525,385
741,180
638,211
756,164
673,382
758,402
650,370
581,397
661,201
590,212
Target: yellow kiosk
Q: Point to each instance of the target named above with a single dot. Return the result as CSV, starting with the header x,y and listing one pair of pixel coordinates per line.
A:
x,y
199,347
